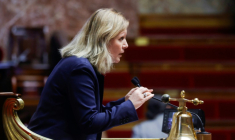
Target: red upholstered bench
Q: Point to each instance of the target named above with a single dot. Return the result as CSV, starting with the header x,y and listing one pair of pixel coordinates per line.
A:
x,y
222,134
204,53
118,80
188,79
217,109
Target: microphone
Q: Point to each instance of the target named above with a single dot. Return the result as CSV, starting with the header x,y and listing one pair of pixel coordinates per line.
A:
x,y
165,99
136,82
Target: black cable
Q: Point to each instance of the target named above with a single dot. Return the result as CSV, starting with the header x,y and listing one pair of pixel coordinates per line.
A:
x,y
202,125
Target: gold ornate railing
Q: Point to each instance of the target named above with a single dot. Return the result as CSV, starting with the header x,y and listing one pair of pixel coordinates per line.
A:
x,y
13,127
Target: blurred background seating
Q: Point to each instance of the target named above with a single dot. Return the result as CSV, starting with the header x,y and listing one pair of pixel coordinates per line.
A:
x,y
30,84
27,45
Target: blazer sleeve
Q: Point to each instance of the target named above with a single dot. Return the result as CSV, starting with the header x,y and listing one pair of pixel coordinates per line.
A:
x,y
82,99
113,103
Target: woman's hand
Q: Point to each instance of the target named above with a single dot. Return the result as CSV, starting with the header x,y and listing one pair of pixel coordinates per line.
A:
x,y
138,96
129,93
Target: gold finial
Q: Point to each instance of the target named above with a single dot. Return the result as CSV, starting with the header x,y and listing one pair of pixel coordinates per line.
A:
x,y
182,94
196,101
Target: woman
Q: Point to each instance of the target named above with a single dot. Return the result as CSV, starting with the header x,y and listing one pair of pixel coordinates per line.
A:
x,y
71,102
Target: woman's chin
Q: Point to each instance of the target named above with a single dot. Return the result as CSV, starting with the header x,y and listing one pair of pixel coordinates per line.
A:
x,y
116,61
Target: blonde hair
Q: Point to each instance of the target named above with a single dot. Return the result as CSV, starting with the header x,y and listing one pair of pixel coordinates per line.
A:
x,y
91,42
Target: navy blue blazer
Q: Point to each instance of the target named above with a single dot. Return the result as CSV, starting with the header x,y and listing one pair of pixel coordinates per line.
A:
x,y
70,106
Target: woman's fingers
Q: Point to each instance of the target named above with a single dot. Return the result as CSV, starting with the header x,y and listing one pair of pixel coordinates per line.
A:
x,y
140,96
150,90
130,93
132,90
149,97
142,89
146,94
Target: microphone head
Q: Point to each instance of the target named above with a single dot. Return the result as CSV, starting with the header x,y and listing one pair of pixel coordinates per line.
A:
x,y
134,81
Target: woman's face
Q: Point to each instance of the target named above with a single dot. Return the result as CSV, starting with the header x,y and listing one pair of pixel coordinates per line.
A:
x,y
117,45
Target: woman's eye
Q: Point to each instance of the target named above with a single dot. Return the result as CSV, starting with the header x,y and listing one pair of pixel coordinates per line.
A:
x,y
121,38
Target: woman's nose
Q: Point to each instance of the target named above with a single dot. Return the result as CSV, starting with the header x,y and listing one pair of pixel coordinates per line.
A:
x,y
125,45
